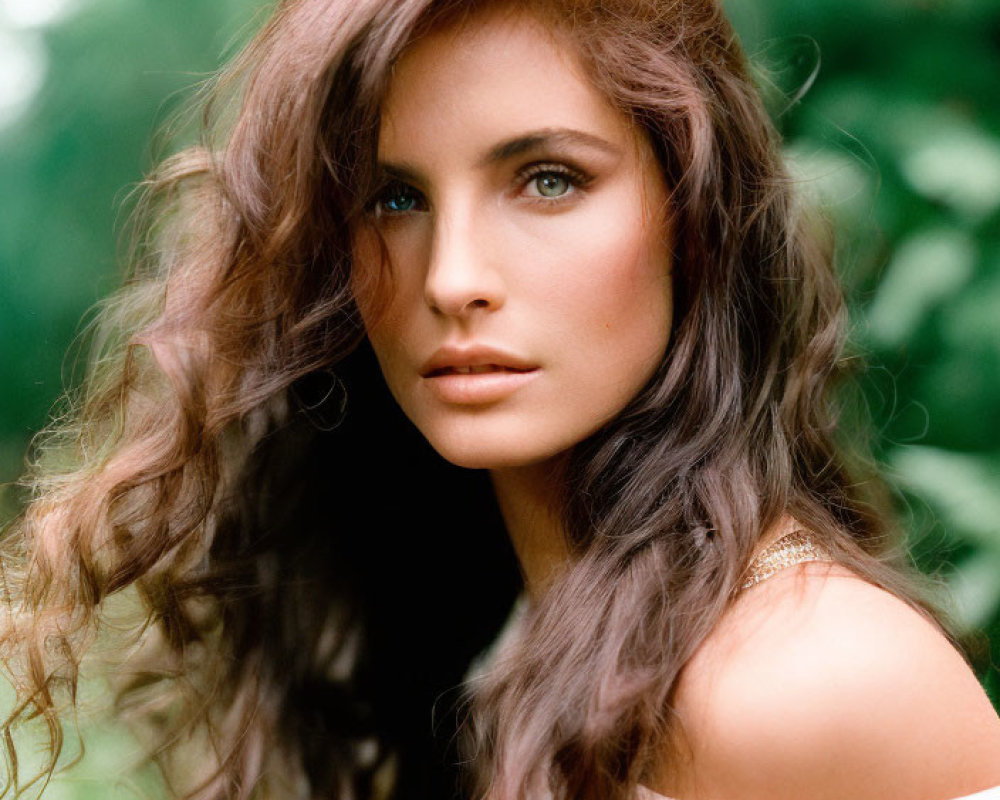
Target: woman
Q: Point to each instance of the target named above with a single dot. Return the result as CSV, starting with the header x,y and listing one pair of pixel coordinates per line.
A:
x,y
562,232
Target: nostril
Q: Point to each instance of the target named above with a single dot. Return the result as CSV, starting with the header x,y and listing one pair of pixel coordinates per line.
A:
x,y
461,299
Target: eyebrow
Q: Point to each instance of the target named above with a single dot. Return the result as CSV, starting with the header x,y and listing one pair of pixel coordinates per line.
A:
x,y
537,140
516,146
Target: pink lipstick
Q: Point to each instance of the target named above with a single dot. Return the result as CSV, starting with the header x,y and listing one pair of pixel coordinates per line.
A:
x,y
476,375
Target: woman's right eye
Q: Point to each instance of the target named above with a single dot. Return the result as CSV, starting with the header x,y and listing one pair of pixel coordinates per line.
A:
x,y
396,198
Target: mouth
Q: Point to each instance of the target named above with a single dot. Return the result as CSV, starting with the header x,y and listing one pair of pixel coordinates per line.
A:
x,y
475,369
477,374
477,385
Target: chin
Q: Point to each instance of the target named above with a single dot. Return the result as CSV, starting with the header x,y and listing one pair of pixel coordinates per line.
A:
x,y
484,452
479,458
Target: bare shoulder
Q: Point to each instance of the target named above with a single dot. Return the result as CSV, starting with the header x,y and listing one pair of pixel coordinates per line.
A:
x,y
818,684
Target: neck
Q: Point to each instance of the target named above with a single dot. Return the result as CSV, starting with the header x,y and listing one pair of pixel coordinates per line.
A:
x,y
526,498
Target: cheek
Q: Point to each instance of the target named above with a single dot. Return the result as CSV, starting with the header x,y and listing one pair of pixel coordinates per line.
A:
x,y
635,282
615,290
386,280
368,275
376,288
372,289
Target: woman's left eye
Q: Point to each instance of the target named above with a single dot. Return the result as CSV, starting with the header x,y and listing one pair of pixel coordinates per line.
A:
x,y
551,181
550,184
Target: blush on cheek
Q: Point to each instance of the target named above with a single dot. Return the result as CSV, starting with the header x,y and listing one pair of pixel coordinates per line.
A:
x,y
629,278
636,309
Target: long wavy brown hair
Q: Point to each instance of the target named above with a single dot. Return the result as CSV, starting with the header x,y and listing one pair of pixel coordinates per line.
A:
x,y
234,460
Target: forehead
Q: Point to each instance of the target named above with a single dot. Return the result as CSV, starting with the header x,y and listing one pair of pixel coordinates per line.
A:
x,y
495,75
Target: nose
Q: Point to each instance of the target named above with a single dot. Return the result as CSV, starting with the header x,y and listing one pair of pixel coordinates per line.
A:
x,y
462,276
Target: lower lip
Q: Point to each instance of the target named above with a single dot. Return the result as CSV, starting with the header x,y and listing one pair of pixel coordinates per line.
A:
x,y
478,388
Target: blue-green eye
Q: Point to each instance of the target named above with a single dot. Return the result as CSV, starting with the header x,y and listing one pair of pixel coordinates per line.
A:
x,y
401,202
552,184
397,198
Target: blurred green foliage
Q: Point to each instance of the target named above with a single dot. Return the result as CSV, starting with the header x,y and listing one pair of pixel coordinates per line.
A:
x,y
114,70
899,136
891,112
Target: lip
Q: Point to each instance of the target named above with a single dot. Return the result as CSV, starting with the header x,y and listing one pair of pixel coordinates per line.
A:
x,y
447,359
476,375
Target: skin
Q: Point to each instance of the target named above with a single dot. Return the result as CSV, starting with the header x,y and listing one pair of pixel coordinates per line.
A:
x,y
568,267
820,686
815,684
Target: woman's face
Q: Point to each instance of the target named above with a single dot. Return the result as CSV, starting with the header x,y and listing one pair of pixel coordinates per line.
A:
x,y
526,226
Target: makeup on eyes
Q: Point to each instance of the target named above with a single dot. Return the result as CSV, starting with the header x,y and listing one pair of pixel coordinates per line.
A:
x,y
576,178
394,188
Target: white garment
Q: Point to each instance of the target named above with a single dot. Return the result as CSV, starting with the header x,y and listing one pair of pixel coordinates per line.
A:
x,y
985,794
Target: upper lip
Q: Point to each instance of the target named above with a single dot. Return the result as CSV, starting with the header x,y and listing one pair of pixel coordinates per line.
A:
x,y
447,358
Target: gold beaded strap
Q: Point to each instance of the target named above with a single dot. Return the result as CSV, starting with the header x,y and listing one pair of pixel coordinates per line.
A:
x,y
792,548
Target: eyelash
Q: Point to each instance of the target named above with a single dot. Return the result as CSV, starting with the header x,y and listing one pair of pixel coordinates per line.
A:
x,y
576,178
